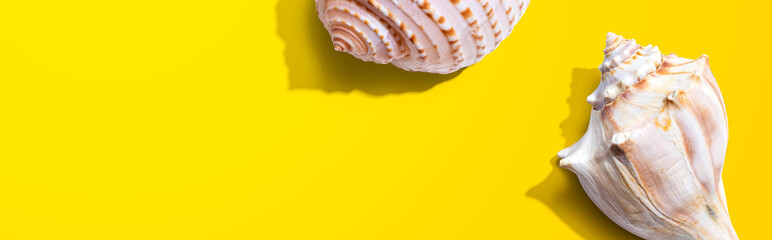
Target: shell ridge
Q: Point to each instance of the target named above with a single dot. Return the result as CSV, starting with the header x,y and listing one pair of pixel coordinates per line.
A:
x,y
435,46
701,182
637,188
447,23
655,78
475,17
715,159
655,205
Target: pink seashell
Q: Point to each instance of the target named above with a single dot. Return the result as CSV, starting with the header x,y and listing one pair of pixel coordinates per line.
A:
x,y
438,36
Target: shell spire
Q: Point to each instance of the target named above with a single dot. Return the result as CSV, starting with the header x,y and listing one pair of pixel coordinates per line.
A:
x,y
653,153
437,36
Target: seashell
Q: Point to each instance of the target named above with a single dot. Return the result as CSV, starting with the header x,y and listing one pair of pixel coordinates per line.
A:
x,y
653,153
438,36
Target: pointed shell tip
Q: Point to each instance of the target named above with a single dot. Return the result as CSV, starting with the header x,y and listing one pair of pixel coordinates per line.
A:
x,y
564,153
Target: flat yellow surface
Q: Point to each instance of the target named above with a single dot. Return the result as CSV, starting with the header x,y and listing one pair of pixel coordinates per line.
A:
x,y
236,120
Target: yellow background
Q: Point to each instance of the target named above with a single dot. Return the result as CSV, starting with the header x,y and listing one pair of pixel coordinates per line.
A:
x,y
236,120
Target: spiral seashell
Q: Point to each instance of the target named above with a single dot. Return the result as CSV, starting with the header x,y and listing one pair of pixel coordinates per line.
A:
x,y
652,156
438,36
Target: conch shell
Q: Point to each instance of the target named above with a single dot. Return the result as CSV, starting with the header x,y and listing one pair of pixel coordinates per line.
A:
x,y
652,156
438,36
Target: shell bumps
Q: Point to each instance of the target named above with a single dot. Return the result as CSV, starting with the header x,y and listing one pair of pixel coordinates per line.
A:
x,y
652,156
438,36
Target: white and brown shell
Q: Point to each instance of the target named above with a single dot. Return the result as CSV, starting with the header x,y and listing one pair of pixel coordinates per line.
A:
x,y
653,153
438,36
